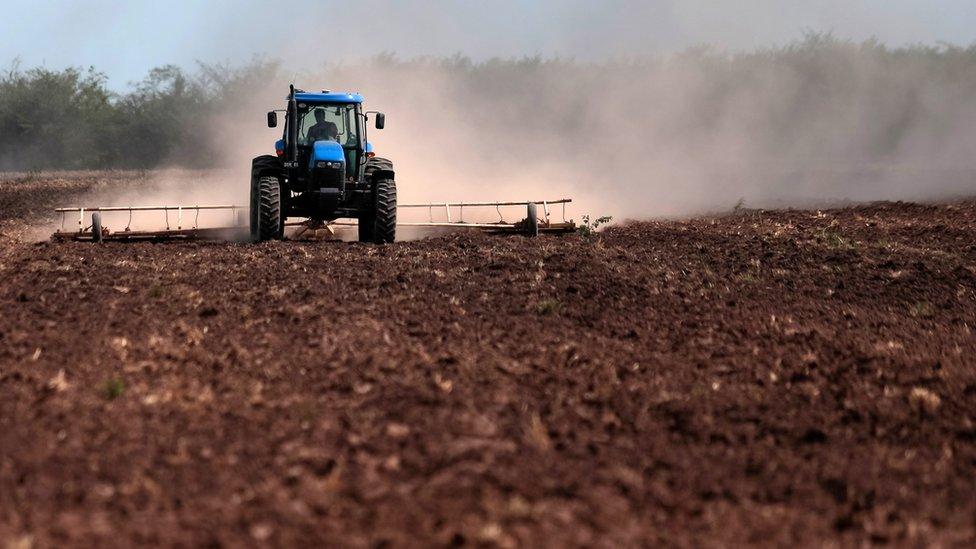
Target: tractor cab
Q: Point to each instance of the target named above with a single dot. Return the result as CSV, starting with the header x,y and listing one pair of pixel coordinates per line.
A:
x,y
324,169
330,138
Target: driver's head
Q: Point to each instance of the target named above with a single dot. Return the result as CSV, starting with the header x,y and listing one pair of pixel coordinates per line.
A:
x,y
319,115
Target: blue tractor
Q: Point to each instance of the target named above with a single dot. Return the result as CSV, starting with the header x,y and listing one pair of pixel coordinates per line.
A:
x,y
324,169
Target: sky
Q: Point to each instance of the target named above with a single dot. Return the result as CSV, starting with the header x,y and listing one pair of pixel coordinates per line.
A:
x,y
124,39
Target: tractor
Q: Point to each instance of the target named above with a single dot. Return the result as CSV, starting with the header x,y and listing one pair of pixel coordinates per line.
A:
x,y
324,169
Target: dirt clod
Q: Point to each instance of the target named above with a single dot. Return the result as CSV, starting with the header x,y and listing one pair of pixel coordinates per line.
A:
x,y
924,401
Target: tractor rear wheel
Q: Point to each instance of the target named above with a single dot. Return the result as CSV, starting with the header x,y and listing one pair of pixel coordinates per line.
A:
x,y
266,209
531,220
386,212
379,225
96,227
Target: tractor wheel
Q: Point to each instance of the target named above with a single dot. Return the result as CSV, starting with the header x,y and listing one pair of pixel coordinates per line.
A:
x,y
377,164
266,209
531,220
96,227
384,226
379,225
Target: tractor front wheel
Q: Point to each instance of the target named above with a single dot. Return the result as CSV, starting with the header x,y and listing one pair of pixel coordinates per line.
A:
x,y
266,209
379,224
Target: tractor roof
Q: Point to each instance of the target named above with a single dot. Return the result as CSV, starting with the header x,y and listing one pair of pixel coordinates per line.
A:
x,y
328,97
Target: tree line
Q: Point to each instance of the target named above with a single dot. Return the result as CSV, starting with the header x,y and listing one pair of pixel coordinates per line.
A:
x,y
817,96
71,119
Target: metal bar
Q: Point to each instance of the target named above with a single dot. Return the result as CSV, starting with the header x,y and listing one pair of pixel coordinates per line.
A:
x,y
447,208
455,224
144,208
214,232
470,204
302,230
429,206
462,225
563,201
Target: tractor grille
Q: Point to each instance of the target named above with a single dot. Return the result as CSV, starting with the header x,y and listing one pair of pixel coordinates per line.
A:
x,y
328,177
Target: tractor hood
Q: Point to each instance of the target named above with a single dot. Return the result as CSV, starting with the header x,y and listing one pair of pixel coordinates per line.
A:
x,y
327,151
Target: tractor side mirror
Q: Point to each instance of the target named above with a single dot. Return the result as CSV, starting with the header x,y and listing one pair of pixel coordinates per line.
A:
x,y
380,121
272,119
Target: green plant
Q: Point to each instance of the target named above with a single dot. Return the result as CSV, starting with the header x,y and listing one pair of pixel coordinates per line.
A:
x,y
834,240
922,309
588,227
748,278
113,388
549,306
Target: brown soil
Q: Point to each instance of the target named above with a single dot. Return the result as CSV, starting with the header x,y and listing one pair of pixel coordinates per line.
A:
x,y
758,377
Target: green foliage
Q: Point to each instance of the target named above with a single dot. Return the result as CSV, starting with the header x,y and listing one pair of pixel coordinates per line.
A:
x,y
112,388
588,227
833,240
35,107
549,306
922,309
69,119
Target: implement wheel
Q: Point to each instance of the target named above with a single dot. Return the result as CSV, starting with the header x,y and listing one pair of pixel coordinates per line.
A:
x,y
266,220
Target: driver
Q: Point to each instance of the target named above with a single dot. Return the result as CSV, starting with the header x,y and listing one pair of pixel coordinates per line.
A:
x,y
322,130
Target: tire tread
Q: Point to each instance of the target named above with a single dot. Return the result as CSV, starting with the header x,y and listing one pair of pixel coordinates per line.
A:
x,y
268,202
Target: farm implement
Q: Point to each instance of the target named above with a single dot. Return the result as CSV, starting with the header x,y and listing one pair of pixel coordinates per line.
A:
x,y
183,222
324,172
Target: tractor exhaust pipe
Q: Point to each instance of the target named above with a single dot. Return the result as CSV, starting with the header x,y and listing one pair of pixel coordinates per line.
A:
x,y
292,115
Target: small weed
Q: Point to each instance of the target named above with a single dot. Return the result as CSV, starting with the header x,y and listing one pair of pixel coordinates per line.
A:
x,y
748,278
113,388
739,205
834,240
156,292
549,307
588,227
922,309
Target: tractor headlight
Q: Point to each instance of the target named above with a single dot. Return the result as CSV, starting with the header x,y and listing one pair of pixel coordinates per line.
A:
x,y
333,165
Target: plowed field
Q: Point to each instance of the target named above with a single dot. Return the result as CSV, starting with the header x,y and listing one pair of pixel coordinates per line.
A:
x,y
758,377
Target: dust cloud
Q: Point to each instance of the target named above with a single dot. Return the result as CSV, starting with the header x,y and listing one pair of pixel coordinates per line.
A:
x,y
819,122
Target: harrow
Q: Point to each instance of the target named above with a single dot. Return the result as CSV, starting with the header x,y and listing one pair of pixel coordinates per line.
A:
x,y
183,222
